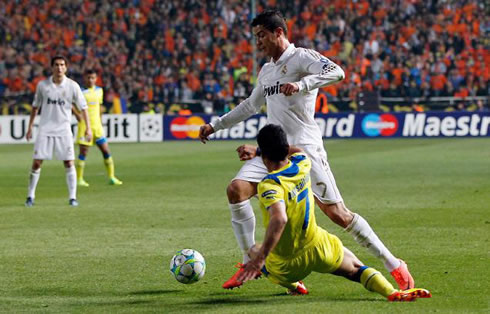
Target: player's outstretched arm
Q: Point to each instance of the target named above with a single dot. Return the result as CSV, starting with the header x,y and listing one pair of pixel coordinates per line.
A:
x,y
245,109
277,222
205,131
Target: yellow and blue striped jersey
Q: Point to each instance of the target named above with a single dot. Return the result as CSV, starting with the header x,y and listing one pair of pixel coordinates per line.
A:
x,y
94,97
291,185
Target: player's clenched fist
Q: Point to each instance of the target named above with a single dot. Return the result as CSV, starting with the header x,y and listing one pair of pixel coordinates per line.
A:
x,y
204,132
289,88
246,152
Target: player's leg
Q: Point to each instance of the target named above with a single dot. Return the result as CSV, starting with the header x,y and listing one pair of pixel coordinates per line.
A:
x,y
71,182
65,151
243,222
330,256
84,146
371,279
80,165
239,192
33,180
362,232
43,149
331,203
108,161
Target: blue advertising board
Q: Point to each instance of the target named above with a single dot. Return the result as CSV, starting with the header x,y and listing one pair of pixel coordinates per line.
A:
x,y
348,125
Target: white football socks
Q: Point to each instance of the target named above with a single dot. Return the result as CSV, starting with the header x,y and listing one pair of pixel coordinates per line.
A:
x,y
365,236
33,180
243,223
71,182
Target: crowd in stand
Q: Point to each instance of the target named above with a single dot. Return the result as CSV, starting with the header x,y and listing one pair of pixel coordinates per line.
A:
x,y
197,51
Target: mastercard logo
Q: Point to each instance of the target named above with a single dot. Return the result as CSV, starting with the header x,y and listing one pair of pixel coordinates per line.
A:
x,y
184,127
379,124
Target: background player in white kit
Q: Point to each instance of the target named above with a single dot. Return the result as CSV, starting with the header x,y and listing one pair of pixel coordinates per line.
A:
x,y
56,96
289,85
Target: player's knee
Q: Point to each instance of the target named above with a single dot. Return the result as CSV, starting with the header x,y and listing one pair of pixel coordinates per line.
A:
x,y
68,163
36,164
338,213
237,191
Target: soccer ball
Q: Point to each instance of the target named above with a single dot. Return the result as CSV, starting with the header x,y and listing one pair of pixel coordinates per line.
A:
x,y
188,266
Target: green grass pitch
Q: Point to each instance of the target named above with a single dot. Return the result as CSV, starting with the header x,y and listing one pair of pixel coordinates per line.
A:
x,y
428,200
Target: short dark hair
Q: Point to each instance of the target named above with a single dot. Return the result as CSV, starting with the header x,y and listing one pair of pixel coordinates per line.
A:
x,y
58,57
270,20
273,142
90,71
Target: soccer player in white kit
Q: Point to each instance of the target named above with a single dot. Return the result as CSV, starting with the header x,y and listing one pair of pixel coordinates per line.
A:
x,y
56,96
289,84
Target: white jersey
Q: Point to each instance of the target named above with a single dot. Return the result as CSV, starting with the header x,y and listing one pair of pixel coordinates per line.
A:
x,y
295,113
56,103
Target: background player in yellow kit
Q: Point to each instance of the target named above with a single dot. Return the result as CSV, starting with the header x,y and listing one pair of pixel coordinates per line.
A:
x,y
94,95
294,245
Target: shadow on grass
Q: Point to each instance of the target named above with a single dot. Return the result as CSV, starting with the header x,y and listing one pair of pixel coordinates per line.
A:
x,y
230,301
282,298
153,292
85,303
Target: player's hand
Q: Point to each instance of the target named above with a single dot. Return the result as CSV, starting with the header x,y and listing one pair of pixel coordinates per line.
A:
x,y
29,134
251,269
88,135
204,132
246,152
289,88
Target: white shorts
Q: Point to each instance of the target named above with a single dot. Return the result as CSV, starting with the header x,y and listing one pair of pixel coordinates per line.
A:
x,y
322,180
61,145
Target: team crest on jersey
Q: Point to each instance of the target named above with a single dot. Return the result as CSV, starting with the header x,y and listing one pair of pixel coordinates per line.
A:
x,y
284,70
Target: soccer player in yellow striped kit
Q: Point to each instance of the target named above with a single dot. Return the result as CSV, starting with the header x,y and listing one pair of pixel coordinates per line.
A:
x,y
294,245
94,96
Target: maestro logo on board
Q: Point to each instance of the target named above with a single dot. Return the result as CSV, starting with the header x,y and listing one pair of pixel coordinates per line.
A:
x,y
379,124
183,127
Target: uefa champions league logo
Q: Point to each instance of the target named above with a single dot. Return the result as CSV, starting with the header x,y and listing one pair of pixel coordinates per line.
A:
x,y
151,126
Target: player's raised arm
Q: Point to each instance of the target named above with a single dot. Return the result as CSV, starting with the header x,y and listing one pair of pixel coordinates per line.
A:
x,y
245,109
322,71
